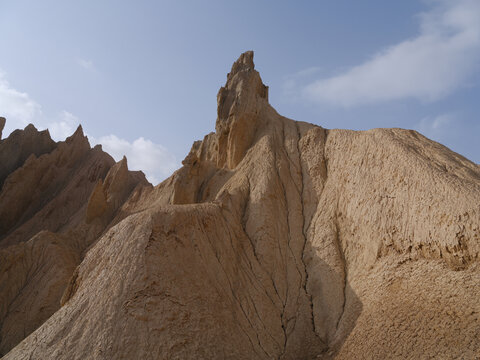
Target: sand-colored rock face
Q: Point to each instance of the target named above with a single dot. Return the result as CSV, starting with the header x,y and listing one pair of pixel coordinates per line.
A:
x,y
45,227
33,278
240,103
276,239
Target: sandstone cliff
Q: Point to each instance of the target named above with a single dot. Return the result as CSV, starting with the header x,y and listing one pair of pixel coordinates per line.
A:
x,y
276,239
48,218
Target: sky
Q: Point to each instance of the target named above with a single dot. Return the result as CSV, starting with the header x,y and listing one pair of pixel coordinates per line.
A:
x,y
142,77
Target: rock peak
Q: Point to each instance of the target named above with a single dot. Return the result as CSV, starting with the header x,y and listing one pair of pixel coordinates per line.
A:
x,y
2,125
244,79
30,128
239,104
78,140
78,134
79,131
243,63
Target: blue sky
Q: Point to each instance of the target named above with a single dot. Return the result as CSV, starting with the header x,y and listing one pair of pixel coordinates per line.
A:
x,y
142,77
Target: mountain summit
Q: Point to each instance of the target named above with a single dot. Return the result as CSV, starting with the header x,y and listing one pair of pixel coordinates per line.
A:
x,y
276,239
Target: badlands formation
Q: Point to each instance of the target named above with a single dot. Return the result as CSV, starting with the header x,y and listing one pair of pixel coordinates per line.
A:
x,y
276,239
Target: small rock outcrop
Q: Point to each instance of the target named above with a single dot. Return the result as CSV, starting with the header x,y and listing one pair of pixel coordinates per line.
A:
x,y
276,239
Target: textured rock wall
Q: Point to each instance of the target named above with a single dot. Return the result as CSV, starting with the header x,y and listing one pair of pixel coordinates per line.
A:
x,y
45,227
278,239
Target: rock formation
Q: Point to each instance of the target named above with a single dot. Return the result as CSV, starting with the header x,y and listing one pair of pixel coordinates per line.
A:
x,y
276,239
2,125
44,225
19,146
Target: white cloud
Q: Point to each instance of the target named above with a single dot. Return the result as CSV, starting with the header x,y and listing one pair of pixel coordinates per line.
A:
x,y
437,127
86,64
64,127
292,81
153,159
142,154
20,110
16,106
430,66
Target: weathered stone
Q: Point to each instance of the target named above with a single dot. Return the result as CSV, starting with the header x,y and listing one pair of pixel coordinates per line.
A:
x,y
47,204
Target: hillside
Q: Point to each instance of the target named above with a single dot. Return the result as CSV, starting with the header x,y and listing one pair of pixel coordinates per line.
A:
x,y
276,239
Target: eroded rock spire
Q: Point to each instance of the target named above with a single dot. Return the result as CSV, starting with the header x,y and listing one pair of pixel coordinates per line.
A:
x,y
239,104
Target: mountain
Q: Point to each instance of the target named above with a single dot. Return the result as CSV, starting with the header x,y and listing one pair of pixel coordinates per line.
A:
x,y
55,201
276,239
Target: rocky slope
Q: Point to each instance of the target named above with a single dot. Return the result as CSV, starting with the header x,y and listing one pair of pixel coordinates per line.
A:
x,y
46,223
276,239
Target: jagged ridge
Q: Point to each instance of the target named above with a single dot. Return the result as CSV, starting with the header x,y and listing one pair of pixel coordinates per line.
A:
x,y
44,226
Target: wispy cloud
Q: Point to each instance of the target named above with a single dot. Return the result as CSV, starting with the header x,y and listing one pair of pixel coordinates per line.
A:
x,y
292,82
436,127
64,126
153,159
18,107
86,64
428,67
